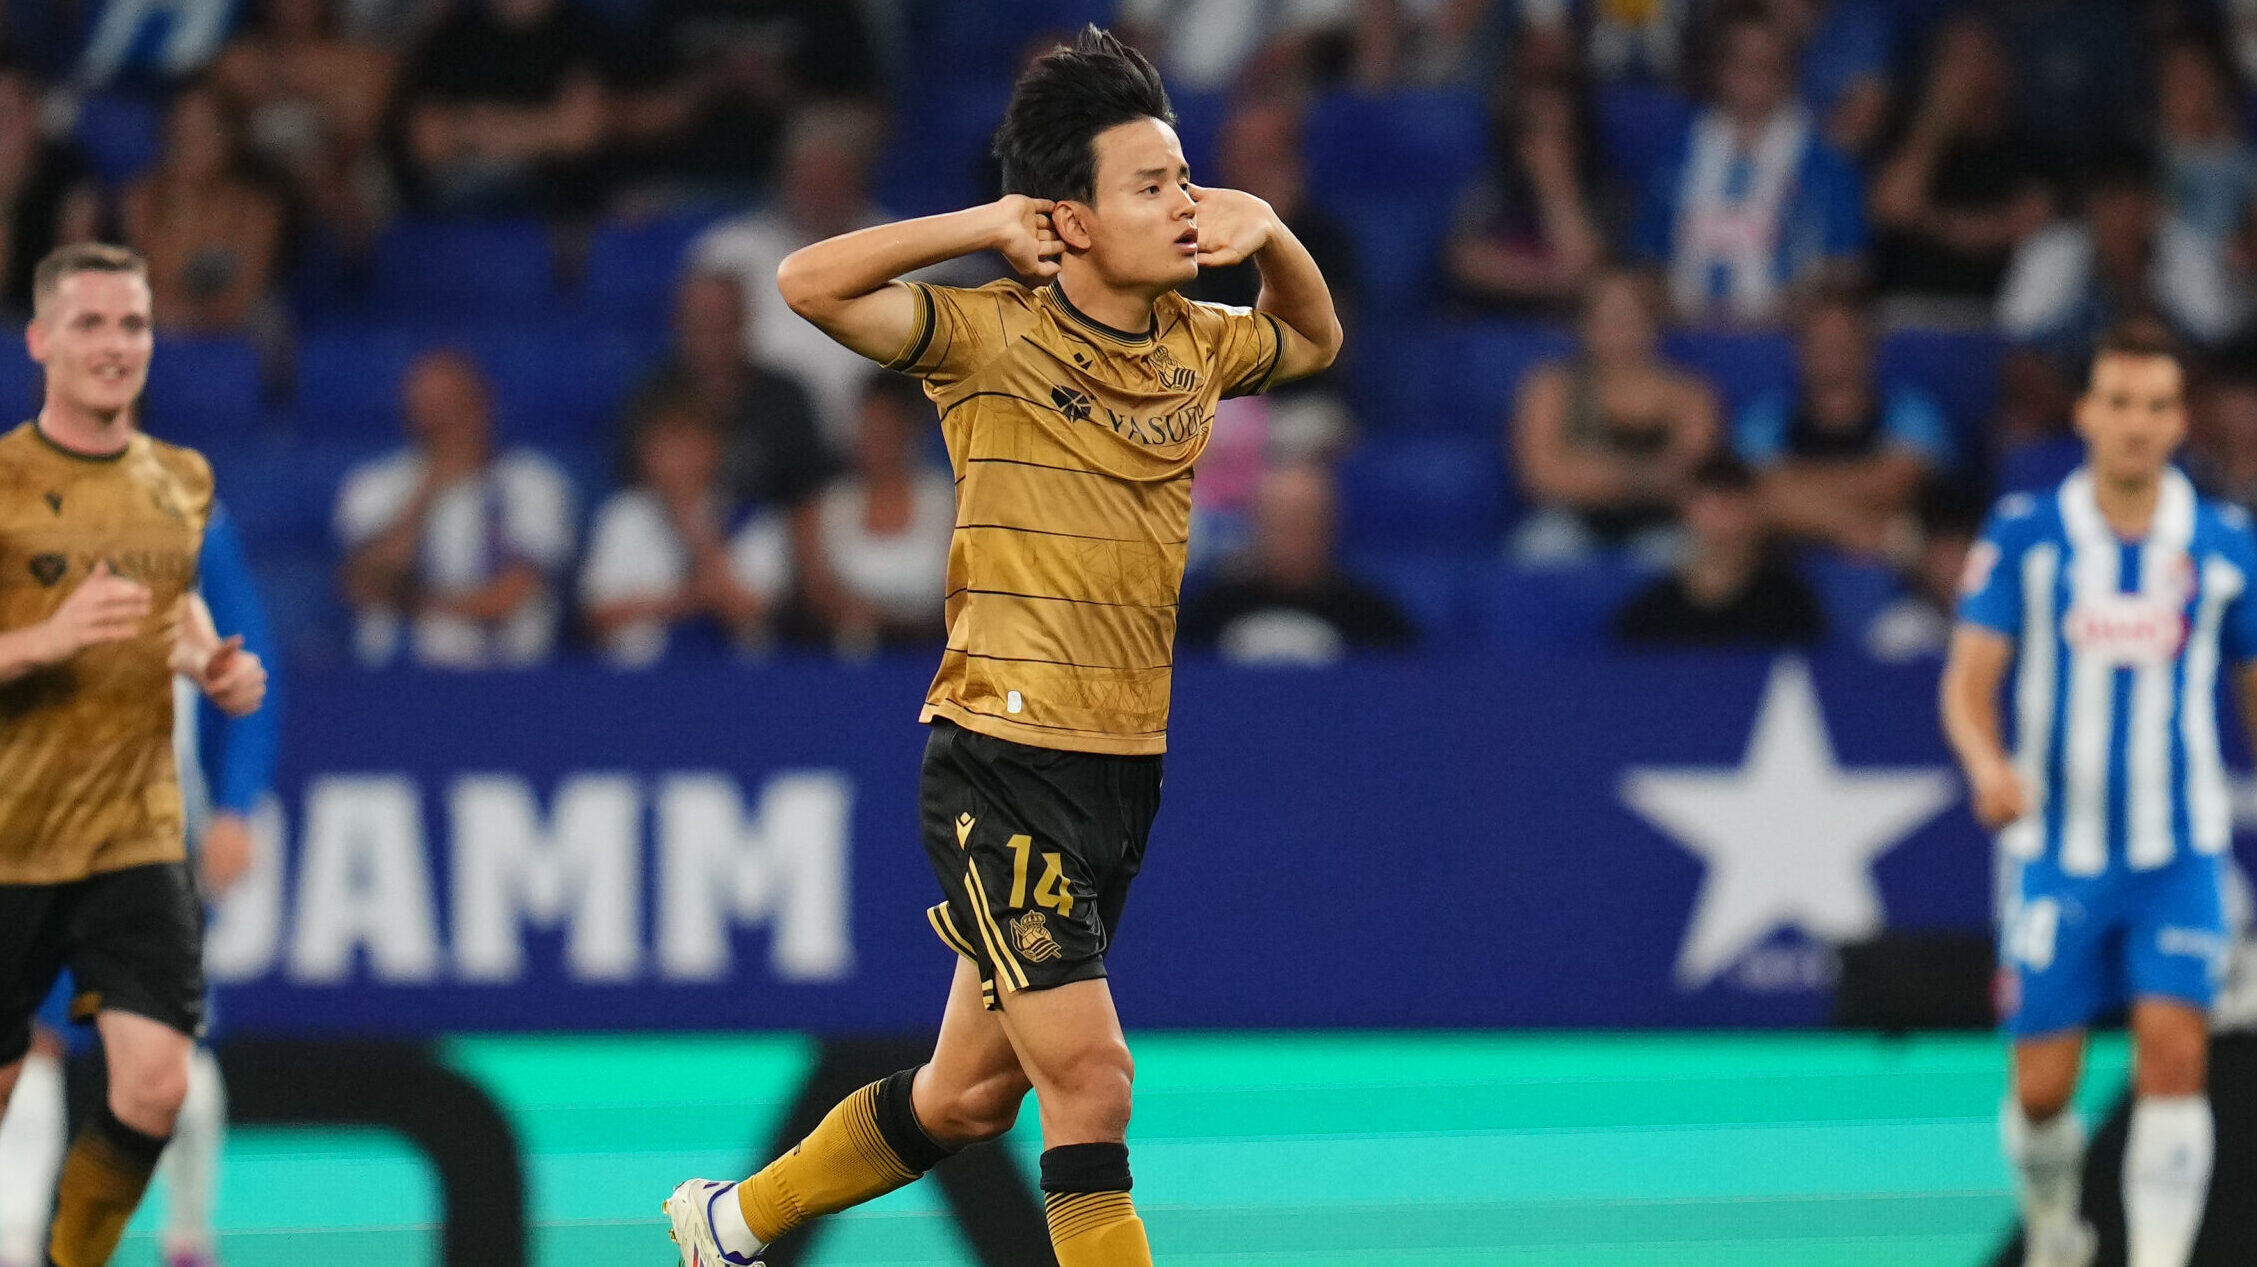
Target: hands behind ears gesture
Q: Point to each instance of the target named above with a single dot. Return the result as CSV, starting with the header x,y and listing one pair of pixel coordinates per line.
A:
x,y
1026,237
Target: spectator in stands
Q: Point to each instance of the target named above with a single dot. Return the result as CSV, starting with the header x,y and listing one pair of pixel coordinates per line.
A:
x,y
1729,588
47,192
1845,47
1525,238
824,191
771,454
2223,456
2123,258
1604,443
1419,43
1259,150
874,548
212,232
1259,48
717,79
1286,601
1917,626
1961,188
160,41
2209,169
677,560
1842,456
1643,42
505,107
1757,206
452,548
312,103
2078,73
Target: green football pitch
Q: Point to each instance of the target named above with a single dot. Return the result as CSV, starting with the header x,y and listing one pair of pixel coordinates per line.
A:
x,y
1440,1150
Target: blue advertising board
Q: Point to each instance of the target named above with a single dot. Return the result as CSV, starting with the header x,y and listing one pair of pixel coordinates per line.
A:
x,y
1603,841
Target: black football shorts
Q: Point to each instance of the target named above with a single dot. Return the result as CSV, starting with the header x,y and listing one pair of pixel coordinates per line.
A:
x,y
133,939
1035,850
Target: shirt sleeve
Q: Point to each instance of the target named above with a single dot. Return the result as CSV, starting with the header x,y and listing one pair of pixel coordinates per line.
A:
x,y
626,547
1245,346
1990,588
955,333
239,753
1915,424
537,515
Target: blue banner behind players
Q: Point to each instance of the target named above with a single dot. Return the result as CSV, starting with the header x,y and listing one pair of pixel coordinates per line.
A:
x,y
1573,842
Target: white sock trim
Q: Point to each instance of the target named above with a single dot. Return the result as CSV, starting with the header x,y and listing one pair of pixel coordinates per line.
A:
x,y
726,1217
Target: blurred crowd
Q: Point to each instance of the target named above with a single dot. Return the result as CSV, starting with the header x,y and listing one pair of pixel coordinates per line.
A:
x,y
1803,180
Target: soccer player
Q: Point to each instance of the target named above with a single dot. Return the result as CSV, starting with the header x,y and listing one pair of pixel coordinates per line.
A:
x,y
2115,600
100,530
226,766
1073,409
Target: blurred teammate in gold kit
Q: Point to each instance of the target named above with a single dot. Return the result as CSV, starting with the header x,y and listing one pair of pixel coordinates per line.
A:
x,y
100,532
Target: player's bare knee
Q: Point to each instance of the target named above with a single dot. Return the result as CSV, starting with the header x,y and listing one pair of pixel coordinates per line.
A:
x,y
148,1098
2043,1088
2171,1064
980,1112
1095,1087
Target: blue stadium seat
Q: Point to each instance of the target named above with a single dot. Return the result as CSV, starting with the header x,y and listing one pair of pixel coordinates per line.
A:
x,y
1556,609
934,155
1638,126
20,384
204,392
298,582
348,383
2039,467
445,271
1852,592
283,494
122,135
1436,492
1740,366
1430,587
632,268
1461,378
1960,368
1390,168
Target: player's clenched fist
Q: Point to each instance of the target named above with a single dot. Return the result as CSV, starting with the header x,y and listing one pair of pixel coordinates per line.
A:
x,y
105,607
1025,235
2001,797
1232,225
231,677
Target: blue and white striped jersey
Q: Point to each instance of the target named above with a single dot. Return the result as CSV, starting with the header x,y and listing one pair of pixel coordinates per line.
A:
x,y
2118,646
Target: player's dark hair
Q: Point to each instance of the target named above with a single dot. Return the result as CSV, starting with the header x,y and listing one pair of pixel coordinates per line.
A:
x,y
1048,142
2136,337
82,257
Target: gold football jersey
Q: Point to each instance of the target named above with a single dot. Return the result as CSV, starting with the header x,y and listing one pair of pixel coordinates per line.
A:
x,y
87,776
1072,444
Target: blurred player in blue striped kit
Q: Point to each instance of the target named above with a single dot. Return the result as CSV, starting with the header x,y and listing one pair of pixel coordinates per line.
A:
x,y
2115,600
226,769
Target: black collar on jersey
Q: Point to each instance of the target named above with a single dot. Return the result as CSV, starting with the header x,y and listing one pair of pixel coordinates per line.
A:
x,y
77,455
1058,292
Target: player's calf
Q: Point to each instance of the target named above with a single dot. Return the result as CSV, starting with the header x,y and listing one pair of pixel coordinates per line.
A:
x,y
960,1116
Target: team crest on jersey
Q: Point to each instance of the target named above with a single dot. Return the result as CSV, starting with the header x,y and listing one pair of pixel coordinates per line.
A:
x,y
49,568
2127,628
1030,933
1172,373
1071,403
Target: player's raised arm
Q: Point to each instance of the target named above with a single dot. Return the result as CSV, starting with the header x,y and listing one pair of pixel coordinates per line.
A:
x,y
1234,226
1972,675
845,285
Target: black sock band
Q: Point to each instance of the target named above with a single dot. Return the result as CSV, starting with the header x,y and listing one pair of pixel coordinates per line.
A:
x,y
130,1145
898,1126
1086,1168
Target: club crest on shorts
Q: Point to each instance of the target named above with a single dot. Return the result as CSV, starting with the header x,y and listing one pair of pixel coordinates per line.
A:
x,y
1031,934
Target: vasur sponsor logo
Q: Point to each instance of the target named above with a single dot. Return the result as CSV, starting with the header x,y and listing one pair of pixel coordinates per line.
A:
x,y
646,878
1789,838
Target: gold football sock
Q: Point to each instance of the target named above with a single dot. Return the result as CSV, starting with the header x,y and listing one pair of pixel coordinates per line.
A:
x,y
1086,1196
866,1147
104,1175
1096,1229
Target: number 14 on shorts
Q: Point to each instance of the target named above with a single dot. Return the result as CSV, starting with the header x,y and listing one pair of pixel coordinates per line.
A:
x,y
1051,890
